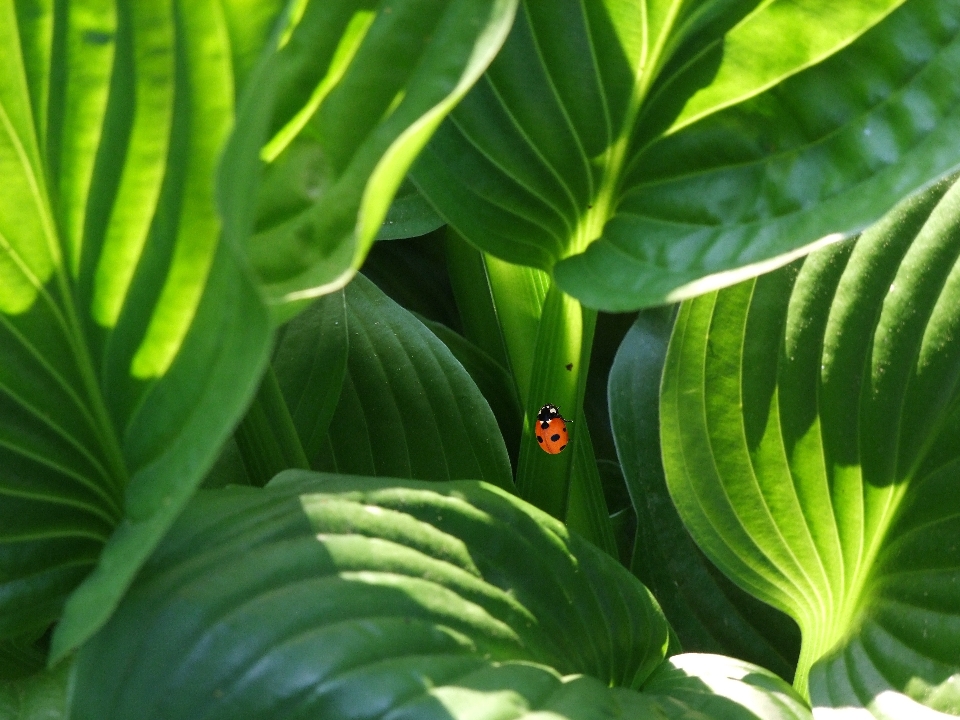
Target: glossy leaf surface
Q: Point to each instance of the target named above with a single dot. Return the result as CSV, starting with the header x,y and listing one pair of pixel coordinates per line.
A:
x,y
382,597
809,438
644,152
407,408
410,215
708,612
358,87
131,337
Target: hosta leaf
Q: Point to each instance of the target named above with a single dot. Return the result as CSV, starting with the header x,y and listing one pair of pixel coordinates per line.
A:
x,y
310,362
351,596
410,215
359,86
714,686
809,438
644,151
406,408
709,613
130,336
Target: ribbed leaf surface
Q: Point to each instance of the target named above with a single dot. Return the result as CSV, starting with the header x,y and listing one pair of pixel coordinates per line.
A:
x,y
407,408
130,335
708,612
347,597
357,88
646,151
359,596
809,433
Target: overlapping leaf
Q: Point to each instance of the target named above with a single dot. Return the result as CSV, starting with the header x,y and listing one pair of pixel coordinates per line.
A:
x,y
360,597
708,612
358,87
649,151
130,336
406,408
809,437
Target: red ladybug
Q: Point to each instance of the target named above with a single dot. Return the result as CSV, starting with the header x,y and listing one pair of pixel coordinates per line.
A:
x,y
551,429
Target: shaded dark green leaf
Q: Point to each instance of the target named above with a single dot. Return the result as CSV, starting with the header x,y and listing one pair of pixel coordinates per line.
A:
x,y
407,408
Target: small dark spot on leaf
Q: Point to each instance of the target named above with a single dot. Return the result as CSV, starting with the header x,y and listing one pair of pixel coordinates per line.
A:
x,y
569,366
97,37
554,437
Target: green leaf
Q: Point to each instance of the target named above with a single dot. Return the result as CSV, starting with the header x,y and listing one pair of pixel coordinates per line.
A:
x,y
410,215
407,408
39,697
361,85
364,598
130,337
492,379
809,438
644,152
368,580
709,613
310,363
714,686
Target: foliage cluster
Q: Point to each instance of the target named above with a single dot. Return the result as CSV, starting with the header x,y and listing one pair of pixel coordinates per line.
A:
x,y
284,284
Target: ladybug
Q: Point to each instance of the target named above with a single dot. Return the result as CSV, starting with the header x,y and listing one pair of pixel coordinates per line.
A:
x,y
551,430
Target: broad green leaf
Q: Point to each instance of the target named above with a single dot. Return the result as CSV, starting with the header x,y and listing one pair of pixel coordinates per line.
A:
x,y
714,686
709,613
39,697
384,578
406,408
287,423
492,379
130,337
349,597
410,215
310,362
645,151
809,439
358,87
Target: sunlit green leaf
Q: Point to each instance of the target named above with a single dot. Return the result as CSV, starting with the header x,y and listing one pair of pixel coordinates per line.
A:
x,y
358,87
130,336
709,613
809,438
643,152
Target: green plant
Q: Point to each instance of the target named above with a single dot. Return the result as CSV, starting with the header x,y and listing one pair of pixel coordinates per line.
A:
x,y
239,478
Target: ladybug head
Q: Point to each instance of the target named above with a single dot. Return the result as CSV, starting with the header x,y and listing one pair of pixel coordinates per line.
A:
x,y
548,413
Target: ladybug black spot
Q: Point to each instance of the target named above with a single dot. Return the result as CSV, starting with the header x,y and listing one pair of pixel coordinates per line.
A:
x,y
545,424
540,439
555,437
562,447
